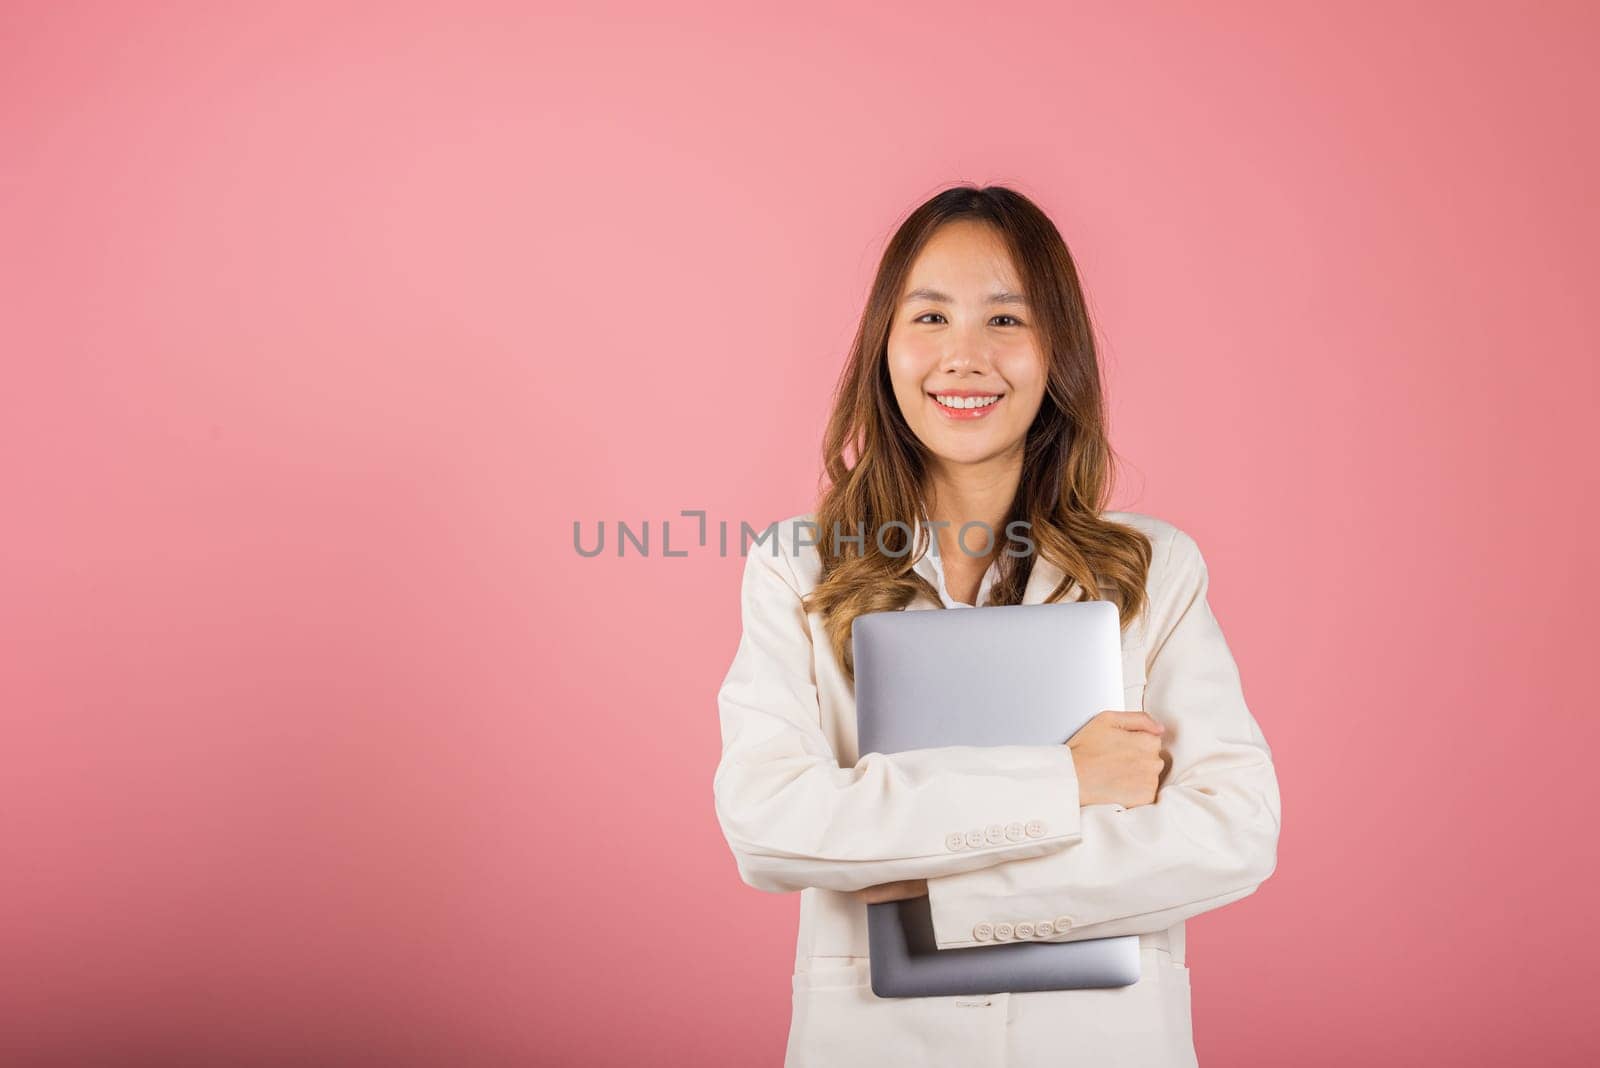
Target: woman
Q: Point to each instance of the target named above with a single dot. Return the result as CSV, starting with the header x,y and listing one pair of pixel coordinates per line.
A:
x,y
972,396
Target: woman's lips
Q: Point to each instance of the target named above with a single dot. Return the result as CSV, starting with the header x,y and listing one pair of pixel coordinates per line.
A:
x,y
966,414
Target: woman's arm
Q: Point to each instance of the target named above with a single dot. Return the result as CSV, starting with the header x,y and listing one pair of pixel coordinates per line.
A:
x,y
794,818
1211,836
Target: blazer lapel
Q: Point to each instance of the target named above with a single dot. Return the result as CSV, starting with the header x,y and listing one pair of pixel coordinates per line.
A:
x,y
1045,577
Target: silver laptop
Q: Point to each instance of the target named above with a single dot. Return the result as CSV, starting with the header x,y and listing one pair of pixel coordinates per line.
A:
x,y
998,675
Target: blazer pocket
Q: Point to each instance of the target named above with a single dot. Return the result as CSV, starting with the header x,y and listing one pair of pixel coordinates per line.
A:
x,y
838,1022
833,974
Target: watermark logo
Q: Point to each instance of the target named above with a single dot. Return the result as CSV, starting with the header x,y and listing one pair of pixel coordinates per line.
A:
x,y
893,538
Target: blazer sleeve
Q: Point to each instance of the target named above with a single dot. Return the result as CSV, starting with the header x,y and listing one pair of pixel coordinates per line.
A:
x,y
1210,837
794,818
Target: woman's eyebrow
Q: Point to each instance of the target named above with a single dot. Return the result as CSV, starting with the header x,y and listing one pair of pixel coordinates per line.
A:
x,y
1003,297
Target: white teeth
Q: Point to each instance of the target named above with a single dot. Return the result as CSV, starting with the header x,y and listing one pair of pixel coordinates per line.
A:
x,y
966,402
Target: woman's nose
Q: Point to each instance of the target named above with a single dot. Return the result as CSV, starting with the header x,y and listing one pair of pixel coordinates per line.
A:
x,y
966,357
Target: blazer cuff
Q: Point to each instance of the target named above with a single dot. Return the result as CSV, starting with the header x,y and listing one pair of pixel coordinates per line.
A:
x,y
991,905
1039,812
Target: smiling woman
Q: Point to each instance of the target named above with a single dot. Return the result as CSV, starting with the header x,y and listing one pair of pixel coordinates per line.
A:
x,y
962,357
972,396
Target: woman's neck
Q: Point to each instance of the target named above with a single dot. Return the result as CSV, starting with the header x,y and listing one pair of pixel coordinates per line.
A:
x,y
973,494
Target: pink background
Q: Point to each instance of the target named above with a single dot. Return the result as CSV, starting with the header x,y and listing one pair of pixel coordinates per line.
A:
x,y
321,328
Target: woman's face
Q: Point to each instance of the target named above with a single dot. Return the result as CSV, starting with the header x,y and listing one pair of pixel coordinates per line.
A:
x,y
964,359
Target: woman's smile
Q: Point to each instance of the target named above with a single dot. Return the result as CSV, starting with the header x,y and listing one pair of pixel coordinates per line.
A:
x,y
966,405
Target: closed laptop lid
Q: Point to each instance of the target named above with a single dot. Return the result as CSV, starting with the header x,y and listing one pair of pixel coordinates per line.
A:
x,y
998,675
1027,674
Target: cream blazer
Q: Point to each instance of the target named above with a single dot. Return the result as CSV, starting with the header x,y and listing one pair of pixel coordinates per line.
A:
x,y
997,831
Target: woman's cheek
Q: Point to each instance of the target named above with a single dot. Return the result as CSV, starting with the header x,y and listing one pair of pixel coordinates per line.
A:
x,y
906,375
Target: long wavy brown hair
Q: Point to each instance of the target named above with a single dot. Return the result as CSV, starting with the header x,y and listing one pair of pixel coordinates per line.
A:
x,y
875,467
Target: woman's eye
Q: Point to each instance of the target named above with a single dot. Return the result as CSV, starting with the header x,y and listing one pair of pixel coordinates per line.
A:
x,y
925,315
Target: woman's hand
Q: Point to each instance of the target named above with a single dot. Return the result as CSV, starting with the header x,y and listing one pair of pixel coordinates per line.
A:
x,y
1118,759
906,888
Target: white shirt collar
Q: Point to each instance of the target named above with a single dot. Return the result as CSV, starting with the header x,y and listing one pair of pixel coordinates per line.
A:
x,y
932,567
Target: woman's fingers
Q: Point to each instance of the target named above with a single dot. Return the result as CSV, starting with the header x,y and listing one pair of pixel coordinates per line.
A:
x,y
1132,721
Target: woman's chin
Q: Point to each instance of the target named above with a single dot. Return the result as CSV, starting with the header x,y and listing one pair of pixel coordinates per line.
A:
x,y
968,450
